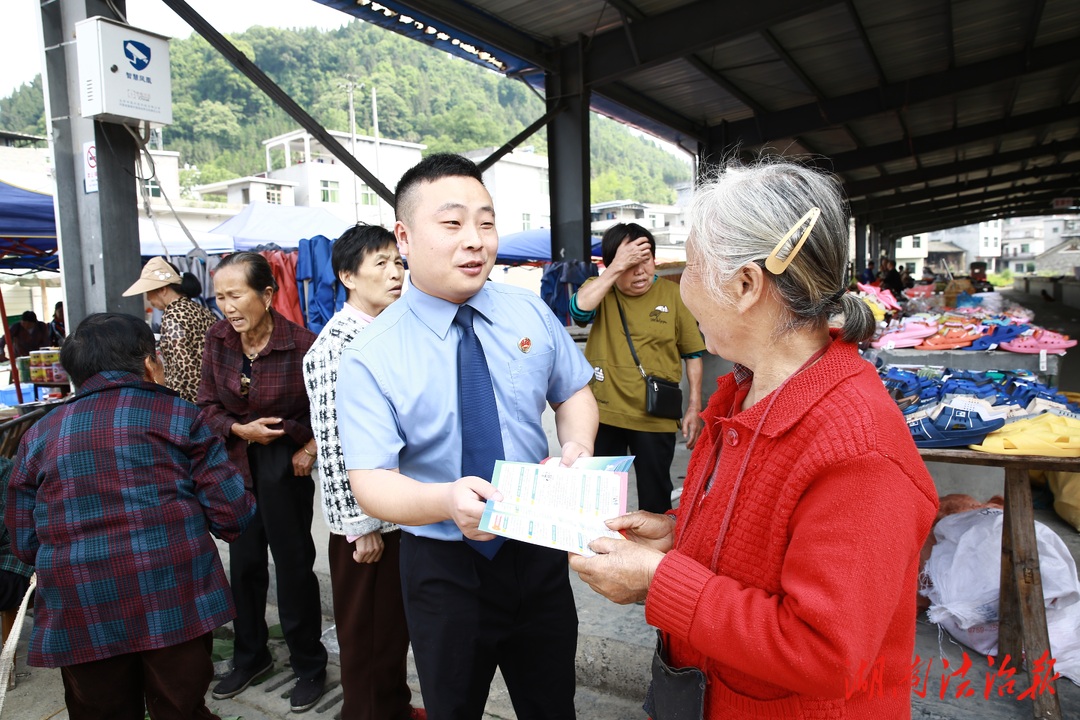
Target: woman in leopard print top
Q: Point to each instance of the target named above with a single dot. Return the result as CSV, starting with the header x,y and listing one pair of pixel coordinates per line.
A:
x,y
184,323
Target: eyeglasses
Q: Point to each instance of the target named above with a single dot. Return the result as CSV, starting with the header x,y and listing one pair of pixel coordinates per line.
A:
x,y
773,263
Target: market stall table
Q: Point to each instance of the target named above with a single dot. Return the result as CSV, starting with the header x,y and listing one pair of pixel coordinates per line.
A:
x,y
1021,609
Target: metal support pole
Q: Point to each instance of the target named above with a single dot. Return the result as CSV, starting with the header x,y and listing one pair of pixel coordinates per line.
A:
x,y
97,228
568,153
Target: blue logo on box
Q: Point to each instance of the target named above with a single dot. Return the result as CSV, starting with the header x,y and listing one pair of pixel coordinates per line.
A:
x,y
137,54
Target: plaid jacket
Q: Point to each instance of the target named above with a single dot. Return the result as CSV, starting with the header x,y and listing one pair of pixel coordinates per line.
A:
x,y
277,385
113,499
8,561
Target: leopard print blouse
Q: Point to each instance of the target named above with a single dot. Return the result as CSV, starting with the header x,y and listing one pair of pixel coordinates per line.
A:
x,y
183,333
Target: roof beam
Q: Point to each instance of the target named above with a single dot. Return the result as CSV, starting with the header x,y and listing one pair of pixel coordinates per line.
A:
x,y
863,103
888,152
937,191
648,107
867,45
992,202
959,220
1059,150
944,204
609,55
723,83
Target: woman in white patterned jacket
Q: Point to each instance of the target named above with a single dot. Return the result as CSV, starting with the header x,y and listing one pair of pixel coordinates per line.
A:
x,y
364,575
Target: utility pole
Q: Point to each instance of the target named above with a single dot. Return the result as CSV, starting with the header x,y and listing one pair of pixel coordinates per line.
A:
x,y
350,85
375,123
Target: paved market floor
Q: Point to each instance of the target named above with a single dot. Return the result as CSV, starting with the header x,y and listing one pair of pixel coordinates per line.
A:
x,y
615,642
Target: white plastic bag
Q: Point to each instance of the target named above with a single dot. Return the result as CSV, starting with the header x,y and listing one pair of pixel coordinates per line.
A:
x,y
962,580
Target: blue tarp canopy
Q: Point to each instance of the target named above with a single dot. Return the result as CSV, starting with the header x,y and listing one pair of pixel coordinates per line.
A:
x,y
27,229
284,225
530,246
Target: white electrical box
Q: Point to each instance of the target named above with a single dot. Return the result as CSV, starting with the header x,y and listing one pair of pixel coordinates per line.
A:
x,y
123,73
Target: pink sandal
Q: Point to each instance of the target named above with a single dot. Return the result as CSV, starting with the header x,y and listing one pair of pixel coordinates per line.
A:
x,y
1053,343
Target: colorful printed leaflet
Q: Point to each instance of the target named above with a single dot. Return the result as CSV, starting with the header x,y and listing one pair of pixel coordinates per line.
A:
x,y
557,507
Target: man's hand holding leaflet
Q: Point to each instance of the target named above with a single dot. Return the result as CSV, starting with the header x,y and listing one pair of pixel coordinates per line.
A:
x,y
558,507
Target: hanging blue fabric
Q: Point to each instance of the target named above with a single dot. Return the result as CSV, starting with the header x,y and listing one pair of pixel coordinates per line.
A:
x,y
560,280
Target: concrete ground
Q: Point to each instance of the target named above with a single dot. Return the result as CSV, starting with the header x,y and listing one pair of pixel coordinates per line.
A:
x,y
615,644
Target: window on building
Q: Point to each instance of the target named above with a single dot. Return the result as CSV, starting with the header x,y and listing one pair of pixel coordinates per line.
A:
x,y
368,196
1031,267
1056,230
245,196
916,242
1025,247
153,189
329,190
1019,267
526,221
611,215
273,194
910,267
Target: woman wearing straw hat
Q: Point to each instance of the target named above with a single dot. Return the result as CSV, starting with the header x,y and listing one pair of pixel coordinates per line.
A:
x,y
184,323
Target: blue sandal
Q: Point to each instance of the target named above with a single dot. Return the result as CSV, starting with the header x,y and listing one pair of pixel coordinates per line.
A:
x,y
951,428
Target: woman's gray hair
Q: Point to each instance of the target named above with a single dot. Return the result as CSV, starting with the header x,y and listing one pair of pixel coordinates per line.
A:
x,y
741,213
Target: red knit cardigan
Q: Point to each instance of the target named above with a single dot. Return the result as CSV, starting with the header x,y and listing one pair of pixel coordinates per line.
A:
x,y
810,610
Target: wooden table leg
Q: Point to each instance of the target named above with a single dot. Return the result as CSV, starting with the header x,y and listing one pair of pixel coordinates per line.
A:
x,y
1022,610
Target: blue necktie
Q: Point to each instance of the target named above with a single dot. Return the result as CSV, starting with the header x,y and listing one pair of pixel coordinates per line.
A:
x,y
481,438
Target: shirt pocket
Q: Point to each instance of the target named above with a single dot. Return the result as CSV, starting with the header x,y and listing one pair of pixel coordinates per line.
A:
x,y
529,379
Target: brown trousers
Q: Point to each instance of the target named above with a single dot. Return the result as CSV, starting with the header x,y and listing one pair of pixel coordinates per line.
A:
x,y
371,631
170,683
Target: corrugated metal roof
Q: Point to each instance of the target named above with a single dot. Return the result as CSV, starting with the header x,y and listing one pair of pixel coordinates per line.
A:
x,y
902,97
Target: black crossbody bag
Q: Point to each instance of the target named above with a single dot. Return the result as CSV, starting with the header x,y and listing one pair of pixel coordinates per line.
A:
x,y
674,693
663,398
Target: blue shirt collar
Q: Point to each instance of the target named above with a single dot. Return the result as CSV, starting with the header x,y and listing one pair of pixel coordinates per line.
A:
x,y
438,314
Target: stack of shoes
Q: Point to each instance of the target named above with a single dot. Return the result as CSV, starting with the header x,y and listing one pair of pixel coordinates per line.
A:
x,y
970,328
975,409
950,338
906,334
996,334
947,427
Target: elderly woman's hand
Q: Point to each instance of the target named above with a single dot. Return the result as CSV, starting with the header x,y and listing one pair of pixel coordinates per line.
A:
x,y
259,430
621,570
646,528
303,460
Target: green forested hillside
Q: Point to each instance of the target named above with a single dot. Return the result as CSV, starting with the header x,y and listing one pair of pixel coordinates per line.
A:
x,y
425,96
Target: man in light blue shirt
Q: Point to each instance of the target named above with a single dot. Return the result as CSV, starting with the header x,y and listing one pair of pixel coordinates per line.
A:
x,y
400,428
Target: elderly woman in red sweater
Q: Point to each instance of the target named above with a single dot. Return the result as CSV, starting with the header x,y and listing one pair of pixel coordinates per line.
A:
x,y
786,581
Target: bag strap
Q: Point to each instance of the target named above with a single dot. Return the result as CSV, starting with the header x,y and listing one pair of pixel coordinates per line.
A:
x,y
626,330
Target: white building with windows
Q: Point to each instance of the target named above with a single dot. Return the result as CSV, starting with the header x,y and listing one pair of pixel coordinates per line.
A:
x,y
518,184
1024,239
319,179
911,252
667,223
251,189
981,242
